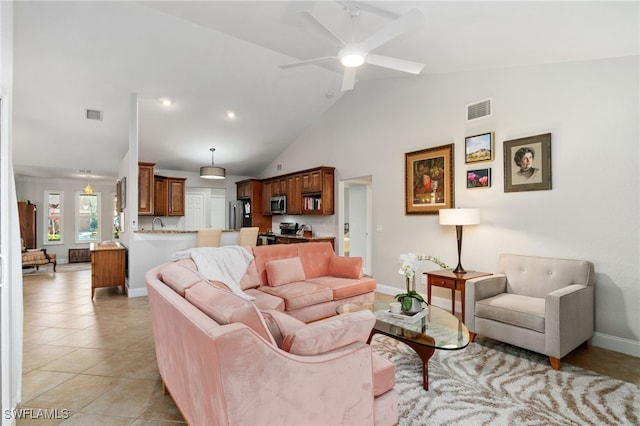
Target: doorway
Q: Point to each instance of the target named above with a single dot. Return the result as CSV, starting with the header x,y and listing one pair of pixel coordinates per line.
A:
x,y
355,220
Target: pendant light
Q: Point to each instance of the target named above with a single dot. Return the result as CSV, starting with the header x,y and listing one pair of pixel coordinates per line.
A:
x,y
212,172
88,190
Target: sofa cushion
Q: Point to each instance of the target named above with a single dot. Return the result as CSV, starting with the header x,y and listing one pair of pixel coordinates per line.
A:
x,y
345,267
315,258
284,271
225,307
384,374
265,301
514,309
263,254
251,278
179,276
329,334
280,324
300,294
345,287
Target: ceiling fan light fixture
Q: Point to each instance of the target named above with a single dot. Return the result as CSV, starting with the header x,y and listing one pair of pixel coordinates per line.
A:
x,y
212,172
352,60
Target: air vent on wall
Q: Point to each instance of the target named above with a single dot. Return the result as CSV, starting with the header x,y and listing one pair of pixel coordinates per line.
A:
x,y
479,109
94,114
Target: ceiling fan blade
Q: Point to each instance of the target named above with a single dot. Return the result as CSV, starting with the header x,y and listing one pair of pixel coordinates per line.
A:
x,y
308,62
395,63
407,22
311,18
349,79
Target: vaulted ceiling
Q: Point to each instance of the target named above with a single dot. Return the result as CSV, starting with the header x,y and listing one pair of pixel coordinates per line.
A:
x,y
210,57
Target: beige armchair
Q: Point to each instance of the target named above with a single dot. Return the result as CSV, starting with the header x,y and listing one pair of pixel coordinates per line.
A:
x,y
545,305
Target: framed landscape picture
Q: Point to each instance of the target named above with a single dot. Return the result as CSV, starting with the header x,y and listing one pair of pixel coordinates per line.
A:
x,y
478,148
480,178
527,163
429,184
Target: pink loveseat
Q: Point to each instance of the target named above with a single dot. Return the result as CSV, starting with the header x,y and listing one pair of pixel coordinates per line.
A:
x,y
226,362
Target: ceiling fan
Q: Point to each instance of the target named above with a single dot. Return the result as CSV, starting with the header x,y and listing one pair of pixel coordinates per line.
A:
x,y
354,54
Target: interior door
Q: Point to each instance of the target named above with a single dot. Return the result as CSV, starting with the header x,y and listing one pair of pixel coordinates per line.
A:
x,y
356,220
195,211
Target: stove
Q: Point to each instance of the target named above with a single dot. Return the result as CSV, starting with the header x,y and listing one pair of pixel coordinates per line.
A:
x,y
288,228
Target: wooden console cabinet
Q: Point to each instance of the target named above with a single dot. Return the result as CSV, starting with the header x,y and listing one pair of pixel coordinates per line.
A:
x,y
108,265
27,218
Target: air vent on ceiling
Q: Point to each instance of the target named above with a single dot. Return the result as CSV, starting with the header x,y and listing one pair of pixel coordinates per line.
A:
x,y
94,114
479,109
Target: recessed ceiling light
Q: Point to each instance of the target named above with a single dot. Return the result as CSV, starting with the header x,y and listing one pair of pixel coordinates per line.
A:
x,y
231,114
166,101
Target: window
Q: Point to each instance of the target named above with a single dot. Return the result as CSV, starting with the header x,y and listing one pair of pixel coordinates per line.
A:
x,y
116,218
53,217
87,217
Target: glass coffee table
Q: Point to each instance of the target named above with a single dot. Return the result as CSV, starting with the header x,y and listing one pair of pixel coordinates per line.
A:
x,y
432,329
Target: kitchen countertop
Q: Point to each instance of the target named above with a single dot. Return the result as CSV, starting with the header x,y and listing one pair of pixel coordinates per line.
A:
x,y
174,231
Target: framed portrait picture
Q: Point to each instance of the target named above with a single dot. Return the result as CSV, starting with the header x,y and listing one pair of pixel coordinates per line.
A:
x,y
429,184
527,163
479,178
478,148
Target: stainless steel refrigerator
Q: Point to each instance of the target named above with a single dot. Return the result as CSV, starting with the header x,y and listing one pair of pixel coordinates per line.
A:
x,y
239,214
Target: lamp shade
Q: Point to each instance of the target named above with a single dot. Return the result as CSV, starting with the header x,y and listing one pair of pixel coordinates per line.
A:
x,y
459,216
212,172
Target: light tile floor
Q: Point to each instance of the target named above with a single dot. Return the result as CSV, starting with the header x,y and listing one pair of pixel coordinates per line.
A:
x,y
93,358
96,358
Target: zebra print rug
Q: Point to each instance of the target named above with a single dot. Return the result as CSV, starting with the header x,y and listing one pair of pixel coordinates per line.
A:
x,y
490,383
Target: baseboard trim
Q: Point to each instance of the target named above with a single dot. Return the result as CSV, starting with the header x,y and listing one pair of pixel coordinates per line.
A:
x,y
136,292
601,340
616,344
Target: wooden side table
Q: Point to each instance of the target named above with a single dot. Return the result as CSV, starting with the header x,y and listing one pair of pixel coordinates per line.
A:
x,y
108,266
450,280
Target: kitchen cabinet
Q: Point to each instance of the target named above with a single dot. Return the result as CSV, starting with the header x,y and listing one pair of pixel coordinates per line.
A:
x,y
294,194
108,265
146,189
27,219
294,239
266,198
317,191
169,195
251,189
243,189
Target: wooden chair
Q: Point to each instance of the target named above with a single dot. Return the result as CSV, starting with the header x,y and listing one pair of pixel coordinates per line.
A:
x,y
249,236
209,237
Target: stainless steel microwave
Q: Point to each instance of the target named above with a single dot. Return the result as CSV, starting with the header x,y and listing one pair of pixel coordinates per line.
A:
x,y
279,204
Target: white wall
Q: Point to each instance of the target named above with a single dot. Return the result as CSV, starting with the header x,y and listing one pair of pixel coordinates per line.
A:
x,y
592,212
32,189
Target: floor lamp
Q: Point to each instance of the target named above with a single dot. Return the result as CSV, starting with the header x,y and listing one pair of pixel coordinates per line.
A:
x,y
459,217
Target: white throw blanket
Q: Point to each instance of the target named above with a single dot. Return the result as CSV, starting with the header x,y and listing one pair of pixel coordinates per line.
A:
x,y
226,264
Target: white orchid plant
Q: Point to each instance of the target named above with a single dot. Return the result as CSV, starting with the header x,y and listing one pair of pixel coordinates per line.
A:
x,y
408,263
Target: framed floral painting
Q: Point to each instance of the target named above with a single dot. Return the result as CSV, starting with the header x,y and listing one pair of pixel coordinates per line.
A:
x,y
479,178
429,184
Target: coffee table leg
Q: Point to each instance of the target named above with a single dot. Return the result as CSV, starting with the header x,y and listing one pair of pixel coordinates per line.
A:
x,y
424,352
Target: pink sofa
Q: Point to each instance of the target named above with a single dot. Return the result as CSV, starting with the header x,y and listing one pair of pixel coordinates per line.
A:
x,y
226,362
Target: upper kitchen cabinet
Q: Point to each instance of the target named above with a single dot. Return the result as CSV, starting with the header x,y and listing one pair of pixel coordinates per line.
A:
x,y
317,191
294,194
169,195
146,206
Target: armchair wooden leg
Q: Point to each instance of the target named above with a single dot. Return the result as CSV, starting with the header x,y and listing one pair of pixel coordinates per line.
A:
x,y
555,363
472,337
